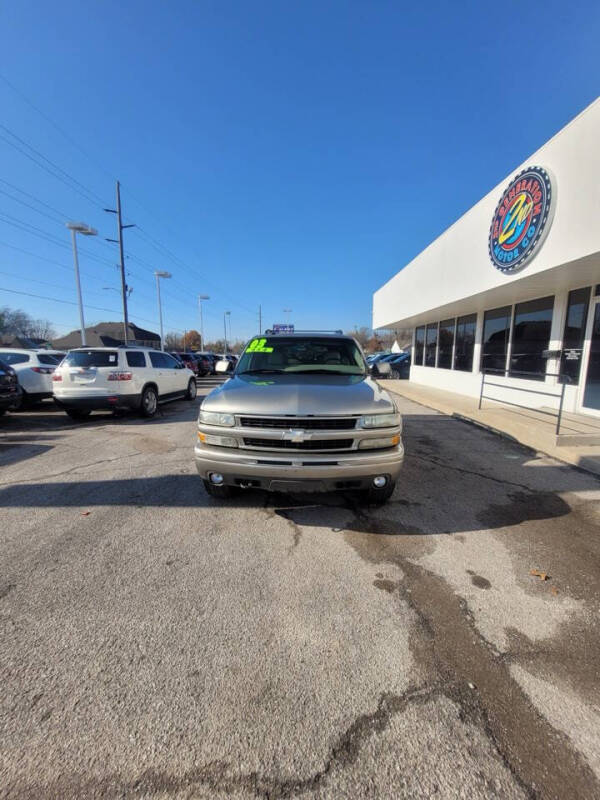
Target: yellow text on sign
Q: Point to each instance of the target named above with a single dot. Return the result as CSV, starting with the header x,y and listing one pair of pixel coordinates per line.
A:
x,y
259,346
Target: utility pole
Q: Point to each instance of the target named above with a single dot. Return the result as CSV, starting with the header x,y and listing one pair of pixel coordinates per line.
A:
x,y
119,241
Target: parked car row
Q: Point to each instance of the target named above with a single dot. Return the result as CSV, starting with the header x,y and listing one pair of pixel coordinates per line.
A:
x,y
89,378
399,363
33,369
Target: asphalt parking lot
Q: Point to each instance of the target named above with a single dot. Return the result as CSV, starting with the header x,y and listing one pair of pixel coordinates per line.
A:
x,y
157,643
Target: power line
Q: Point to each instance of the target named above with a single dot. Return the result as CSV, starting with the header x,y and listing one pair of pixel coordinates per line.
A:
x,y
28,205
55,125
72,303
54,166
62,215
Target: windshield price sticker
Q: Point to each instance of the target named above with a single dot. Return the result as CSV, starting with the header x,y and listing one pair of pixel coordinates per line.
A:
x,y
259,346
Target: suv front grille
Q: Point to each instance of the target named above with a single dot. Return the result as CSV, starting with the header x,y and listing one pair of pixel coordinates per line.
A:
x,y
310,444
311,424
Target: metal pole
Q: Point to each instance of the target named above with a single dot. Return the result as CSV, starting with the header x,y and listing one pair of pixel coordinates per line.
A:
x,y
78,282
122,259
560,408
259,320
162,343
201,323
481,392
225,329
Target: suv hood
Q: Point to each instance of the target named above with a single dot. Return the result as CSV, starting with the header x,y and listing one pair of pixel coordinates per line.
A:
x,y
299,395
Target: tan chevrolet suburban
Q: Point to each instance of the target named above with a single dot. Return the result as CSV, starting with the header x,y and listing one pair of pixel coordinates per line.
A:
x,y
300,413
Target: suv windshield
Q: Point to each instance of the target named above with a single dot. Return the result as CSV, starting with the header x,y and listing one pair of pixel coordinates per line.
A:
x,y
91,358
306,354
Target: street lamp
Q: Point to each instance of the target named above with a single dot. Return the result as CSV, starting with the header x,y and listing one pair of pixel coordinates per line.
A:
x,y
85,230
202,297
225,315
160,274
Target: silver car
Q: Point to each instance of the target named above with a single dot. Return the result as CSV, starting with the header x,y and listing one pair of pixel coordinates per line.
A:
x,y
300,413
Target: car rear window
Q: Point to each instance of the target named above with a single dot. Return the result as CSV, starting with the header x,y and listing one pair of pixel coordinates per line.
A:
x,y
14,358
92,358
135,358
46,358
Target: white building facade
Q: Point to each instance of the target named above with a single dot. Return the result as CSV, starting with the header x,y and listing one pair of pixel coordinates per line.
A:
x,y
512,289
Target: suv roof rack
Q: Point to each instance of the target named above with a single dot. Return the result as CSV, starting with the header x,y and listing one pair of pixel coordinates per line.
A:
x,y
271,332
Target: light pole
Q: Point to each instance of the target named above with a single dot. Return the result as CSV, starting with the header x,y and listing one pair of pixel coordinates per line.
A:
x,y
225,315
287,311
202,297
75,228
160,274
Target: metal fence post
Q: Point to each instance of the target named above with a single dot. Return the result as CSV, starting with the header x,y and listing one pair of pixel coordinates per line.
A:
x,y
481,390
560,407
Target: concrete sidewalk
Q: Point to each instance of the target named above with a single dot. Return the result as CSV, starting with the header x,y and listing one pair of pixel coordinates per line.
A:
x,y
530,427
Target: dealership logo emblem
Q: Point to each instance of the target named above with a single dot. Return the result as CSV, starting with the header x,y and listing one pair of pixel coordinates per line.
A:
x,y
522,219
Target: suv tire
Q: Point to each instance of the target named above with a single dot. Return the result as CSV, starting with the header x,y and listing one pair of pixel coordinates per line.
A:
x,y
149,402
218,492
377,497
192,390
77,413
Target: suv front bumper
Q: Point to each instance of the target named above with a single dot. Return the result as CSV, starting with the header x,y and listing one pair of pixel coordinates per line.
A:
x,y
298,471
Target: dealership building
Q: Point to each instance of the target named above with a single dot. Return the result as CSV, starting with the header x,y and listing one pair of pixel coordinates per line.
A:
x,y
512,288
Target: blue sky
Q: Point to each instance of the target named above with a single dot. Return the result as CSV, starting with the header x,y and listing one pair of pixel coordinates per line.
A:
x,y
293,154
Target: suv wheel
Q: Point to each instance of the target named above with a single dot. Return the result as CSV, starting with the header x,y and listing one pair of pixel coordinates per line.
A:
x,y
377,497
219,492
77,413
149,402
192,390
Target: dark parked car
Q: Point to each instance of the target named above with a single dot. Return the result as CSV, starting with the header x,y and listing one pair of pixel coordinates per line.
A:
x,y
188,360
10,391
400,364
209,358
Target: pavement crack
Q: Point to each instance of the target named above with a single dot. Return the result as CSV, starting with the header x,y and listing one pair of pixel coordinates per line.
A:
x,y
473,473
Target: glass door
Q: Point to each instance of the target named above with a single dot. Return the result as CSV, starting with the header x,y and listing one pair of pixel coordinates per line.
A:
x,y
591,385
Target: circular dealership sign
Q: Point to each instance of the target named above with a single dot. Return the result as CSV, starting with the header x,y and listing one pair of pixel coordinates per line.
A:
x,y
522,219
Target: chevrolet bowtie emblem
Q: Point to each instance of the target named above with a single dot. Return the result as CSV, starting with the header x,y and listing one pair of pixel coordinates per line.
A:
x,y
294,436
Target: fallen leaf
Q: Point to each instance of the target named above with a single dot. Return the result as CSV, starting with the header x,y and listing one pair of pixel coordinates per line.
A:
x,y
85,513
538,574
554,590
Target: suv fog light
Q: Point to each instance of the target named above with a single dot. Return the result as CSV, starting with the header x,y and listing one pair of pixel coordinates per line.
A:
x,y
216,478
380,481
220,441
378,444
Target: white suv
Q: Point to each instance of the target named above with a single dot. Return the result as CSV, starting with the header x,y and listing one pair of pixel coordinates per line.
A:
x,y
119,377
34,370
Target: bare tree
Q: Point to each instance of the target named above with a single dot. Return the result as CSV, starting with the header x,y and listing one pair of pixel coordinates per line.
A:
x,y
362,335
173,341
14,321
41,329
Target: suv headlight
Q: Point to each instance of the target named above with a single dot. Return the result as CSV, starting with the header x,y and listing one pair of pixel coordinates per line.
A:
x,y
380,421
216,418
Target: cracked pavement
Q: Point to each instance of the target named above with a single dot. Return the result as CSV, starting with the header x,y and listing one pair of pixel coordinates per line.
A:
x,y
156,643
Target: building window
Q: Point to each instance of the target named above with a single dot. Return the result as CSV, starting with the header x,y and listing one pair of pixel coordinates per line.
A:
x,y
572,346
496,333
431,338
446,343
465,342
531,336
419,345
